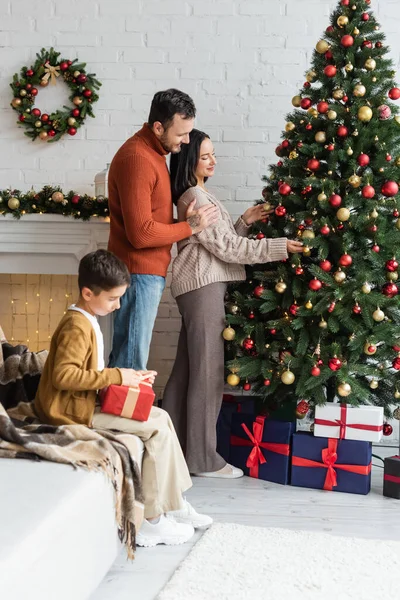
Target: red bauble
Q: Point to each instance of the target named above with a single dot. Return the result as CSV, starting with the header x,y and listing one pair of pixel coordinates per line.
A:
x,y
345,260
375,248
28,86
315,284
368,191
367,44
329,29
340,227
280,211
394,93
293,309
45,118
69,62
330,147
75,199
260,236
363,160
308,126
396,348
21,118
334,364
258,291
330,70
306,84
390,188
72,131
331,307
267,382
247,387
81,78
313,164
357,309
34,91
248,344
272,331
392,265
325,230
251,315
299,271
365,17
347,41
345,98
395,213
342,131
36,112
285,144
29,73
396,363
87,93
345,2
390,290
285,189
302,409
328,55
322,107
308,220
335,200
315,371
388,157
302,227
373,228
279,163
305,103
75,112
378,45
387,429
300,145
307,190
278,150
325,265
64,66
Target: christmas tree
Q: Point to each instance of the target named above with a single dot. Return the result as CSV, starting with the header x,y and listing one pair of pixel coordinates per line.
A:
x,y
326,324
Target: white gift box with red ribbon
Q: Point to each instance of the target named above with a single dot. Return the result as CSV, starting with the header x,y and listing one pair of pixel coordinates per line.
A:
x,y
343,421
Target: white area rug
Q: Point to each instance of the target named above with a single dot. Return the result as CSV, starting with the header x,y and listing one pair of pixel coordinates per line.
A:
x,y
235,562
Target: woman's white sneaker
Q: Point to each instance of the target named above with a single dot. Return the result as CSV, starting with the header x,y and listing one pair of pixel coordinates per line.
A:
x,y
165,531
190,516
227,472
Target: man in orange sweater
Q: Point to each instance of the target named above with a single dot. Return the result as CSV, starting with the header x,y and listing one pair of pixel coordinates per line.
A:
x,y
142,230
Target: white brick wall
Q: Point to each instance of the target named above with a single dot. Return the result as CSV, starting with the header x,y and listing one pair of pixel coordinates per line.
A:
x,y
241,60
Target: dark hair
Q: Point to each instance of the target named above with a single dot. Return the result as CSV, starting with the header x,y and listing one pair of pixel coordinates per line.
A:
x,y
169,103
183,165
102,271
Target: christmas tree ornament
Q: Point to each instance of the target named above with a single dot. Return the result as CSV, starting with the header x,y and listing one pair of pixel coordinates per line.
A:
x,y
378,315
251,315
392,276
347,41
315,371
302,409
335,200
369,349
366,288
391,265
312,112
290,126
338,94
229,333
396,412
384,112
287,377
332,115
357,309
325,230
325,265
280,287
306,251
366,44
374,214
330,70
321,197
320,137
308,234
365,17
349,151
390,189
247,386
57,197
390,290
38,124
342,131
313,164
293,309
349,67
296,101
344,389
43,135
375,248
233,379
387,429
373,228
394,93
284,189
370,64
359,90
388,157
339,276
343,214
308,126
330,147
363,160
331,307
322,324
267,382
248,343
373,384
322,46
356,31
342,21
299,271
293,155
308,305
280,211
311,76
13,203
335,363
232,308
365,114
305,103
258,291
345,260
315,284
322,107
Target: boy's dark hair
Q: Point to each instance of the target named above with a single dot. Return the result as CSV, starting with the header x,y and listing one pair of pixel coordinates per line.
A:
x,y
167,104
101,271
183,165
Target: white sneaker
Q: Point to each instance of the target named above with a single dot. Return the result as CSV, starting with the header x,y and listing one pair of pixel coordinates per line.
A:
x,y
227,472
189,515
166,531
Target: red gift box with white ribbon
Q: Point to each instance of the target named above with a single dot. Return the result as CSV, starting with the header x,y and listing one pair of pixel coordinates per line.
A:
x,y
128,402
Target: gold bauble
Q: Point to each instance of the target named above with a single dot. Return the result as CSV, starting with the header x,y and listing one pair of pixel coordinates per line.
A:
x,y
359,90
321,197
344,389
77,73
287,377
308,305
374,214
397,224
296,101
370,64
323,324
349,67
378,315
356,31
77,100
228,334
16,102
332,115
38,124
397,119
23,93
338,94
396,412
233,379
320,137
367,345
71,121
330,172
308,234
397,161
293,155
44,82
350,151
392,276
232,308
339,276
322,46
306,251
343,214
43,135
355,181
373,384
13,203
342,21
365,114
366,288
57,197
355,133
280,287
312,112
311,75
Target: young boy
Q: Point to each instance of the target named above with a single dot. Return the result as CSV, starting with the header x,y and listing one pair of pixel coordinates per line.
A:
x,y
73,373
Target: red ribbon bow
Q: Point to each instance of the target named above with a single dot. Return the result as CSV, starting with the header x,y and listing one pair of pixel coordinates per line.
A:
x,y
342,423
256,456
329,458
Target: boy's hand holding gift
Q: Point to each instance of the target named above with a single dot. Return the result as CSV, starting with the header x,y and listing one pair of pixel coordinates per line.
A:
x,y
131,378
131,400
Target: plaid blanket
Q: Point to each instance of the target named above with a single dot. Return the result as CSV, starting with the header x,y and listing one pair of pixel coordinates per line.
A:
x,y
22,436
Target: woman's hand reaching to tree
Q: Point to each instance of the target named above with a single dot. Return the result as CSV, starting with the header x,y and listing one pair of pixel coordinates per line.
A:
x,y
256,213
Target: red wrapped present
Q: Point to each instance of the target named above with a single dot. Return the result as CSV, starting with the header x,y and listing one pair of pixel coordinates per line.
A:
x,y
128,402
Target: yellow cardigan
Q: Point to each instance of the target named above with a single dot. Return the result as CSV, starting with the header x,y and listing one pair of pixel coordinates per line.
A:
x,y
70,378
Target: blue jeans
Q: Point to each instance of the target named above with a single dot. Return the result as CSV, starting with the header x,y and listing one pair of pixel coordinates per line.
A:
x,y
134,322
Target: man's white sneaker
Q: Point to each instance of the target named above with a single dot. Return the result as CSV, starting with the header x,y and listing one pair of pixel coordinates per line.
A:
x,y
190,516
166,531
227,472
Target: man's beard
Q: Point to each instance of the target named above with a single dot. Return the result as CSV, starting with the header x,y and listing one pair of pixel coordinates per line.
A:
x,y
168,147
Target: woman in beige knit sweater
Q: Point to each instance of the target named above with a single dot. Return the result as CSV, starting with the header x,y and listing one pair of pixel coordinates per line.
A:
x,y
206,262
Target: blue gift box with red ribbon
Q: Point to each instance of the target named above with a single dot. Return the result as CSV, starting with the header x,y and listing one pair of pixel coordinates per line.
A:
x,y
331,464
261,447
231,405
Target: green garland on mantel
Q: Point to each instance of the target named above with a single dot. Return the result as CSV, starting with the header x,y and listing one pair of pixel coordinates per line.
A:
x,y
53,201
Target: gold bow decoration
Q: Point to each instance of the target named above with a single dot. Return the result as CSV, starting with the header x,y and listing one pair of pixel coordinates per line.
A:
x,y
51,73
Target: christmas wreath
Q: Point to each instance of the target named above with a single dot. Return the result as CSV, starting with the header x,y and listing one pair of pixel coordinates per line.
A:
x,y
52,200
47,68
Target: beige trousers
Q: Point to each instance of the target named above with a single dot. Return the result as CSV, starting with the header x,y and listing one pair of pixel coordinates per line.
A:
x,y
164,471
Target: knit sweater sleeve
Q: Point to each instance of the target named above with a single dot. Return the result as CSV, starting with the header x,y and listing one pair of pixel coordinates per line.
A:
x,y
136,181
227,245
241,228
69,358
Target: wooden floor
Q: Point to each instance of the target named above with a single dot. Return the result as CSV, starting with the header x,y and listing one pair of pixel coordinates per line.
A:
x,y
259,503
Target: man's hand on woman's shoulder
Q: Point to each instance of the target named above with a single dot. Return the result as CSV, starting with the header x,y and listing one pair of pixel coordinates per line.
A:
x,y
201,218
